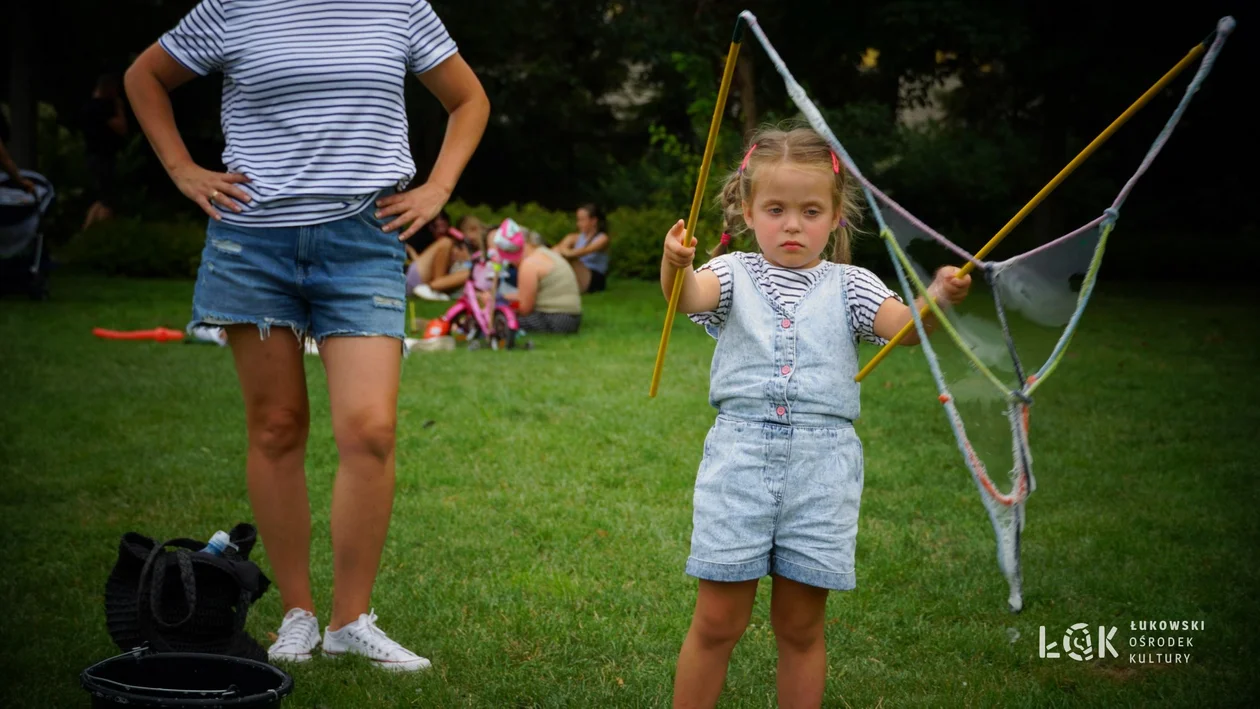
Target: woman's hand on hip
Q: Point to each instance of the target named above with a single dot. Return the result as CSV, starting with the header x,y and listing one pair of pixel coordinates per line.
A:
x,y
414,208
210,189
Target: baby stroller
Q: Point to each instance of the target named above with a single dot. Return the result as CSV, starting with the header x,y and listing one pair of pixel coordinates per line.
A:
x,y
23,259
495,323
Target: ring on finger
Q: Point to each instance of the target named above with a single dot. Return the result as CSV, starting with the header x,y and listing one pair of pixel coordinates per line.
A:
x,y
214,195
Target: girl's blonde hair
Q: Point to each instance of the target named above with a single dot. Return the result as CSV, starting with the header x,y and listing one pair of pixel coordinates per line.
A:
x,y
800,146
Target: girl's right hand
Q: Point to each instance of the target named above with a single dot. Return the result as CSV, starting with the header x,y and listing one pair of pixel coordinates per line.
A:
x,y
210,189
676,254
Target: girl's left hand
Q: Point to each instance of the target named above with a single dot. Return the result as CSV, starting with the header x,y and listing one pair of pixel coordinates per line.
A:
x,y
415,207
949,288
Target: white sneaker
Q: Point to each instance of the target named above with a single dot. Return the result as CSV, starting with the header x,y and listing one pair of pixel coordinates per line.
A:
x,y
362,637
298,636
424,291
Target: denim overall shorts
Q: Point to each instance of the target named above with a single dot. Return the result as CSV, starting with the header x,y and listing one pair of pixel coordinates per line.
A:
x,y
780,483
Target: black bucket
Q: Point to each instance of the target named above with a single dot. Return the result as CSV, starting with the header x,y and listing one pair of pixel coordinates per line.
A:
x,y
185,679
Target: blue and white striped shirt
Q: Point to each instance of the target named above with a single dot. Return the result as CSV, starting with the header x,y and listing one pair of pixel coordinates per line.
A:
x,y
313,110
863,290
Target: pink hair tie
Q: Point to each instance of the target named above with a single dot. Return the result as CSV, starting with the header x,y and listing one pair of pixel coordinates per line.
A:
x,y
835,163
747,155
726,239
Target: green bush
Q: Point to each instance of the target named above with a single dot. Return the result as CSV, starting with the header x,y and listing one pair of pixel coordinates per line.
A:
x,y
636,235
61,159
127,246
637,238
552,224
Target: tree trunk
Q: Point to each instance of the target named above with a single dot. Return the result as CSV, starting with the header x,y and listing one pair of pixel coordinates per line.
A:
x,y
23,108
1047,220
747,92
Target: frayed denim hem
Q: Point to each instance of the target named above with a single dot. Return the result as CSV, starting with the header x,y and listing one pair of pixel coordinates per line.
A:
x,y
264,325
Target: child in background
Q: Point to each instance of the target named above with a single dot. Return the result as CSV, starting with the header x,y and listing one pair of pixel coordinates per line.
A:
x,y
442,267
780,481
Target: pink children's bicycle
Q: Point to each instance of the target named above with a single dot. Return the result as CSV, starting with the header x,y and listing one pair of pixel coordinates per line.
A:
x,y
481,315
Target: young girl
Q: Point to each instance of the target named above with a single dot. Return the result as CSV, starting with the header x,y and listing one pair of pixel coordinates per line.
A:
x,y
781,478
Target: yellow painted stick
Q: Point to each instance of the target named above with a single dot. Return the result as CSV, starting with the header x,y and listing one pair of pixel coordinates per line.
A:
x,y
690,236
1045,192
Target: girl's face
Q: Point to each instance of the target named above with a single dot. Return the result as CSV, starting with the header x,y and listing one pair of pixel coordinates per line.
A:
x,y
792,214
586,224
440,226
474,231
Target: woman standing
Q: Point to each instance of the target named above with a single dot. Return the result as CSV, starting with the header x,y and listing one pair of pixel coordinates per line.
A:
x,y
306,238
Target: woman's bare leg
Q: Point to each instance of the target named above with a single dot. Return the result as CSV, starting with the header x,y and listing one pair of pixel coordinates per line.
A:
x,y
450,282
441,260
363,377
583,275
277,417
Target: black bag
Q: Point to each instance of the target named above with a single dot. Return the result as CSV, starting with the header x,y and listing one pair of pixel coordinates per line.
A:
x,y
175,598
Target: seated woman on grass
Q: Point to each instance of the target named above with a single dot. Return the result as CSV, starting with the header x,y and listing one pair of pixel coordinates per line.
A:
x,y
587,250
548,296
442,267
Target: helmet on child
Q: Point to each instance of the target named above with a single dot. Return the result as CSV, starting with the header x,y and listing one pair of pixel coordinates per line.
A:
x,y
507,242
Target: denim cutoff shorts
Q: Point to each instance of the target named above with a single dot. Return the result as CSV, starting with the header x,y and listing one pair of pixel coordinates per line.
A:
x,y
338,278
777,499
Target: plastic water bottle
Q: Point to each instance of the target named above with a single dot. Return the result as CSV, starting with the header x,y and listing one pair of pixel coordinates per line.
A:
x,y
218,543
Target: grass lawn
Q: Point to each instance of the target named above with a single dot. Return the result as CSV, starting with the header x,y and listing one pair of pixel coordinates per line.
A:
x,y
543,517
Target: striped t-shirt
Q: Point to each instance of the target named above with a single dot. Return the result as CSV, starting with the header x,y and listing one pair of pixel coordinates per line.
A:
x,y
785,286
312,109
